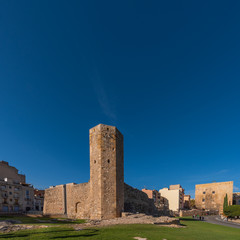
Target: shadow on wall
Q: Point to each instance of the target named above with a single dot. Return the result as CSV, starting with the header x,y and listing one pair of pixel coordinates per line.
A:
x,y
136,201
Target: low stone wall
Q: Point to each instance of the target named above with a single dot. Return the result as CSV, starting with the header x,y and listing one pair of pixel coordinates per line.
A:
x,y
187,213
78,202
54,201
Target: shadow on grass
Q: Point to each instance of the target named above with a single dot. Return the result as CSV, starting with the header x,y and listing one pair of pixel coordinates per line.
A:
x,y
40,220
88,234
62,234
188,219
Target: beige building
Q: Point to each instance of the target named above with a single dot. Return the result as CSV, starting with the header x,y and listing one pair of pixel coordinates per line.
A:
x,y
38,199
175,196
211,196
187,200
15,194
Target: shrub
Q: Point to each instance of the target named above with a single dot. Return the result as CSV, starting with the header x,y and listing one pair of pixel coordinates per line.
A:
x,y
232,211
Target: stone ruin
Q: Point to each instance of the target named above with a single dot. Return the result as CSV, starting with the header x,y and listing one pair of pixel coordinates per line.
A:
x,y
105,196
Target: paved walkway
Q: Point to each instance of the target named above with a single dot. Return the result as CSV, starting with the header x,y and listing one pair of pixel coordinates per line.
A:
x,y
217,220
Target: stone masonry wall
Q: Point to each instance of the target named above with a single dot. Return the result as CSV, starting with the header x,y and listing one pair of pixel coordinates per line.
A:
x,y
103,196
106,172
54,201
211,196
78,200
138,201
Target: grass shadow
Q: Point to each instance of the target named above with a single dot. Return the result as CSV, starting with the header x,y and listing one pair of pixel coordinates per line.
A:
x,y
189,219
58,234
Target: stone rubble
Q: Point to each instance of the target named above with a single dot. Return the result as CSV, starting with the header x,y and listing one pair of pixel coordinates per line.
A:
x,y
132,219
7,226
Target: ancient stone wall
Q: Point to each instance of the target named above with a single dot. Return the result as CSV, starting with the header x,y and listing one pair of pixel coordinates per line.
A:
x,y
77,196
210,196
54,201
103,196
138,201
106,172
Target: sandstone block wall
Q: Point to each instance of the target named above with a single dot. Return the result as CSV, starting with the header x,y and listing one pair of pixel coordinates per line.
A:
x,y
78,200
103,196
54,203
106,172
210,196
138,201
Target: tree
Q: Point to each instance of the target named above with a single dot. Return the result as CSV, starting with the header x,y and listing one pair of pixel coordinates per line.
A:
x,y
192,203
225,203
232,211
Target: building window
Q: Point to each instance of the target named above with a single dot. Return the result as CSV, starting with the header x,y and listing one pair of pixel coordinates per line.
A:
x,y
213,192
10,187
203,200
10,193
27,194
204,192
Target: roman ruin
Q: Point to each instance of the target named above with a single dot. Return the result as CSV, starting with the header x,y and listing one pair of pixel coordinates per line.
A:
x,y
106,195
210,196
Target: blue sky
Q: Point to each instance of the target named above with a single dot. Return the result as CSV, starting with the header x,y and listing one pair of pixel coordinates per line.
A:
x,y
166,73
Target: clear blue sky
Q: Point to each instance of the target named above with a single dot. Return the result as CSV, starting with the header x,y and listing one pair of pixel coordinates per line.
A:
x,y
166,73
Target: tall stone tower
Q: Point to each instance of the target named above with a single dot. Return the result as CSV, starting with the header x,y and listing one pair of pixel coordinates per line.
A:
x,y
106,172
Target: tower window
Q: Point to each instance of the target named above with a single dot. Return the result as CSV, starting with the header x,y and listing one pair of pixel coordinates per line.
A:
x,y
213,192
204,192
108,161
203,200
95,161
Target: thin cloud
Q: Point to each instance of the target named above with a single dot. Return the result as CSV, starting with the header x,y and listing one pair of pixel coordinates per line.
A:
x,y
236,188
208,177
101,94
103,100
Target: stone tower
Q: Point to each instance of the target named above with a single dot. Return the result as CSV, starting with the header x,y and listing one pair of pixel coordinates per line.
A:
x,y
106,172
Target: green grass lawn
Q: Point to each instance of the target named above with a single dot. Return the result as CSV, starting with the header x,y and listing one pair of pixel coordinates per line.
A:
x,y
40,220
194,230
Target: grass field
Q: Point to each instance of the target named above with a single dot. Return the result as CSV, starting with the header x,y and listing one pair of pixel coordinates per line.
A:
x,y
40,220
193,230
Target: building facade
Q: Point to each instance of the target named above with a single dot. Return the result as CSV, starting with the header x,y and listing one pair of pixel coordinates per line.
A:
x,y
211,196
187,201
15,194
38,200
152,194
236,198
175,196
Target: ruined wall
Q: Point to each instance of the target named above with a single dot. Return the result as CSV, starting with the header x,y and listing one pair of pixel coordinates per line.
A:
x,y
106,172
54,201
210,196
103,196
138,201
77,200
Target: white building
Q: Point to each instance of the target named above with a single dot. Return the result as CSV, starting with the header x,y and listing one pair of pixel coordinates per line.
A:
x,y
175,196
